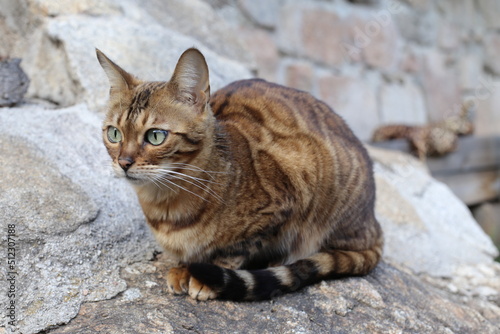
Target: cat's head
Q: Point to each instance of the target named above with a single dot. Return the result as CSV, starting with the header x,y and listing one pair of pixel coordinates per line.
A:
x,y
152,128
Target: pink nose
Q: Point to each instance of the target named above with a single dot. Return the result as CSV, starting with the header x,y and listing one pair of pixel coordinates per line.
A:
x,y
125,163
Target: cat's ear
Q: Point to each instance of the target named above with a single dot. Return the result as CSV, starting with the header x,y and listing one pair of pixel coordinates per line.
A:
x,y
190,79
119,79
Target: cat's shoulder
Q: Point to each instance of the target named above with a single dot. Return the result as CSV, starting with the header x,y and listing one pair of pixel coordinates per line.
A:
x,y
256,86
255,91
244,87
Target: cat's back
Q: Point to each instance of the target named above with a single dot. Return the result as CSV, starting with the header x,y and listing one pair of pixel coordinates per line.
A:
x,y
280,130
260,109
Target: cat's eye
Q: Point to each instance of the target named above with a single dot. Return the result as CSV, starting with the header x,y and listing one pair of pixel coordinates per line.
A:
x,y
156,137
114,135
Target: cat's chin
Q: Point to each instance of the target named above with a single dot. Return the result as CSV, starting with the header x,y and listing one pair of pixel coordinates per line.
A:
x,y
119,173
135,181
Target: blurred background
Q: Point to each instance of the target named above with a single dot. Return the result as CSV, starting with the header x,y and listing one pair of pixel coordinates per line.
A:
x,y
417,63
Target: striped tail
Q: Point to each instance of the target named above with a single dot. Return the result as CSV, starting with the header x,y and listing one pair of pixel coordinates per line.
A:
x,y
274,281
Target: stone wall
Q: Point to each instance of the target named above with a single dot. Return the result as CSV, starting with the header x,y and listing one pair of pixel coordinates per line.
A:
x,y
56,40
378,62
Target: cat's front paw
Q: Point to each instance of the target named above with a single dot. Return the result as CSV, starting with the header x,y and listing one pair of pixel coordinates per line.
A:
x,y
180,281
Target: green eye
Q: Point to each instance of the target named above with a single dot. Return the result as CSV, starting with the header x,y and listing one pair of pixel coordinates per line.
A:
x,y
114,135
155,136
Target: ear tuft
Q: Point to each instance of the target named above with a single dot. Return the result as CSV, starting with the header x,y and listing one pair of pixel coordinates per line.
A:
x,y
119,79
191,79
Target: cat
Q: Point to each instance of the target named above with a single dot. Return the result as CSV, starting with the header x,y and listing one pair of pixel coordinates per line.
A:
x,y
257,190
435,139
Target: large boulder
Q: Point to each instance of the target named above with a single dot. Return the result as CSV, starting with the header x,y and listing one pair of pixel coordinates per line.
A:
x,y
387,301
428,229
75,225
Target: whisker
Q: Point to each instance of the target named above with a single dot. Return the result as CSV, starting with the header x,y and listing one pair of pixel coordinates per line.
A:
x,y
200,186
155,177
181,187
161,177
176,177
156,181
192,168
188,176
195,181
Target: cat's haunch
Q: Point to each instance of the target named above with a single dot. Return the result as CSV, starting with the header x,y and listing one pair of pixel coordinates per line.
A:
x,y
257,190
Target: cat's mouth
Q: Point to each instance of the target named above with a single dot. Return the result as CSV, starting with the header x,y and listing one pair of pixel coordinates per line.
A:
x,y
133,179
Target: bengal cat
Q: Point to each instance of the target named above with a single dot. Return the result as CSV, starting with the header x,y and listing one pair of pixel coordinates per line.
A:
x,y
257,190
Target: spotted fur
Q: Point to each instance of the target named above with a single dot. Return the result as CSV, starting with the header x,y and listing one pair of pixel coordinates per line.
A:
x,y
258,190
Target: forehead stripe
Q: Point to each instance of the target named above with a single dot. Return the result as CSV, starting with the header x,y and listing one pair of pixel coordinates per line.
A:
x,y
139,102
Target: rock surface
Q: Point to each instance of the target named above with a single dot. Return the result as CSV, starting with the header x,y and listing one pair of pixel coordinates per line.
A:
x,y
387,301
56,189
33,179
60,53
13,82
427,228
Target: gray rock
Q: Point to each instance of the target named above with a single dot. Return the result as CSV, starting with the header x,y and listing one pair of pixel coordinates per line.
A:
x,y
192,18
71,74
31,185
196,19
15,21
263,12
76,225
68,7
417,26
427,228
487,10
492,47
13,82
386,301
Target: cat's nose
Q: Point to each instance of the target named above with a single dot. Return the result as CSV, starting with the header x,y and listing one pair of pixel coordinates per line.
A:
x,y
125,163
